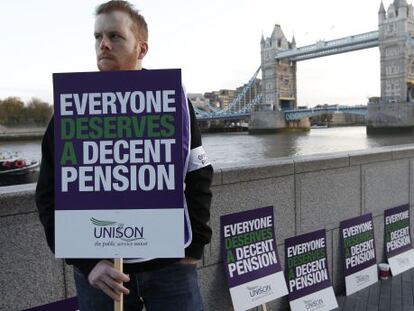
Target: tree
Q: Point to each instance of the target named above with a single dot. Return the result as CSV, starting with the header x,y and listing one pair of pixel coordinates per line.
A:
x,y
14,112
11,111
38,111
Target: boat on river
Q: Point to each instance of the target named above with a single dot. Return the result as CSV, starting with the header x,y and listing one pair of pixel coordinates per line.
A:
x,y
15,169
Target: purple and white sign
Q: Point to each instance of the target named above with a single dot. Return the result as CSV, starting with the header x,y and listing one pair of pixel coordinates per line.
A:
x,y
360,265
251,262
70,304
398,248
307,273
119,164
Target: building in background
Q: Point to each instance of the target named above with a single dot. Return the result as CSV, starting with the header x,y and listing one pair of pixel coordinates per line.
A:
x,y
224,97
346,119
220,99
199,101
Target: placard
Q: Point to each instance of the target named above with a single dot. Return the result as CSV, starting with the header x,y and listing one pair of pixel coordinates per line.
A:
x,y
251,262
360,264
70,304
307,273
119,164
398,248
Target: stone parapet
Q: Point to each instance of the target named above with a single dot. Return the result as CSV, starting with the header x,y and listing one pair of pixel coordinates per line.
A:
x,y
307,192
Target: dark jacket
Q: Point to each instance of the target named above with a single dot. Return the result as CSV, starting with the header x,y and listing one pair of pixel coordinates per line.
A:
x,y
197,193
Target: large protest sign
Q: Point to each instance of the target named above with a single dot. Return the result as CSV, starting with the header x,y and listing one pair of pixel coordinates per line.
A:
x,y
398,249
360,265
307,273
251,262
70,304
119,163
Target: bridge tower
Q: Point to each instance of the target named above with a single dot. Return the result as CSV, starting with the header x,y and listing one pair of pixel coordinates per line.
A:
x,y
278,86
278,77
395,107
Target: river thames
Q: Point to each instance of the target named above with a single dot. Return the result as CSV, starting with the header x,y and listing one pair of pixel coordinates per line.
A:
x,y
240,147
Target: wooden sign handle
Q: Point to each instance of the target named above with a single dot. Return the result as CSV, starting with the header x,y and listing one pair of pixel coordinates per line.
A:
x,y
264,307
119,305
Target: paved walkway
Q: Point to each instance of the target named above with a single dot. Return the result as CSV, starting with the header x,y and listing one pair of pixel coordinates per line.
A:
x,y
394,294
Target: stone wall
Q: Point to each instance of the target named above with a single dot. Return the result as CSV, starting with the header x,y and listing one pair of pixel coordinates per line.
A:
x,y
308,193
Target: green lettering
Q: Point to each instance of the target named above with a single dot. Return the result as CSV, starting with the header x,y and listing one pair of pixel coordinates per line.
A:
x,y
153,126
68,154
139,125
124,127
67,128
230,257
82,128
291,262
268,234
291,275
229,243
248,238
109,127
167,125
95,124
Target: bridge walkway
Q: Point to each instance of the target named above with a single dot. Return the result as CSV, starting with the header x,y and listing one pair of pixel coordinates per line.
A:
x,y
394,294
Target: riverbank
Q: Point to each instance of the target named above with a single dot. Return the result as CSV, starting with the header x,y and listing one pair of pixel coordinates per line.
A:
x,y
21,133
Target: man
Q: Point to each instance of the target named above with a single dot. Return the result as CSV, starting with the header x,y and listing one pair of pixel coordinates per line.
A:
x,y
121,38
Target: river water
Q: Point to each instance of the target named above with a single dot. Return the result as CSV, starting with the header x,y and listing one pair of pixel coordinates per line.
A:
x,y
240,147
236,148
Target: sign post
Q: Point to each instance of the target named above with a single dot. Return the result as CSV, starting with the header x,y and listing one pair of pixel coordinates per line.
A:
x,y
307,273
251,262
118,265
398,248
119,155
360,264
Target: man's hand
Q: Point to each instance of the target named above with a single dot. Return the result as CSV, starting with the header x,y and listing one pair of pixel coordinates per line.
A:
x,y
105,277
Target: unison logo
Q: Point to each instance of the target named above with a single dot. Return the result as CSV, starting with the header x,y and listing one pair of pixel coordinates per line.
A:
x,y
256,291
113,230
362,278
403,261
314,304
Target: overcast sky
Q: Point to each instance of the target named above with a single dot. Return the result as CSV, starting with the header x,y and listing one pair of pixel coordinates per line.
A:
x,y
215,42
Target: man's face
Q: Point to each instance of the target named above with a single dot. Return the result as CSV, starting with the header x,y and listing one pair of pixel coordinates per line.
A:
x,y
116,45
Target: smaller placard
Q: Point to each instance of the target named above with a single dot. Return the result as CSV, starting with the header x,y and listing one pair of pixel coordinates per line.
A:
x,y
360,264
307,273
70,304
251,262
398,248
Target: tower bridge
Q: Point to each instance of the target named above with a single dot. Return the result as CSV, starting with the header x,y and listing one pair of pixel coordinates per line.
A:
x,y
276,106
326,48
